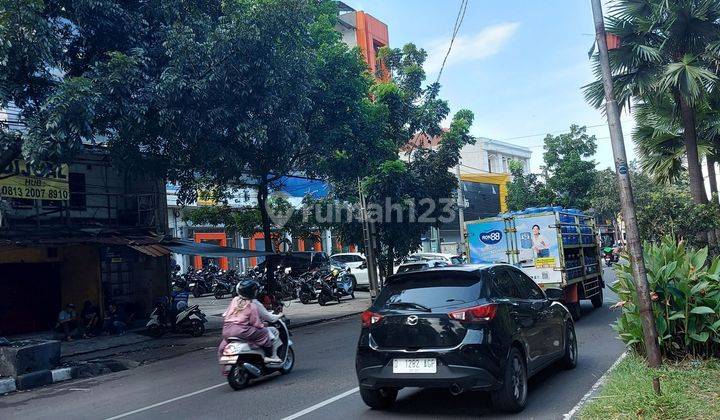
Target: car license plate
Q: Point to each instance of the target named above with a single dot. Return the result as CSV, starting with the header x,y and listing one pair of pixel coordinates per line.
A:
x,y
426,365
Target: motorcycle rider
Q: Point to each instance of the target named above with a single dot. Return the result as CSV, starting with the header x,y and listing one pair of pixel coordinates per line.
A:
x,y
244,319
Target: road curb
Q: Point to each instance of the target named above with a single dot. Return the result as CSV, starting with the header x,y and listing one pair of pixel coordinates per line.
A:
x,y
7,385
594,389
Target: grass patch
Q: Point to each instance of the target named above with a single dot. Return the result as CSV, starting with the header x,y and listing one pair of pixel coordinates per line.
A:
x,y
690,389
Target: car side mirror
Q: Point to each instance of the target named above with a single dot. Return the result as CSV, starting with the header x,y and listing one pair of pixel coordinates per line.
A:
x,y
363,265
554,294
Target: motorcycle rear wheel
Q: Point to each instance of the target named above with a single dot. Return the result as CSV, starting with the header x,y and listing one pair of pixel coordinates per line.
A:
x,y
197,292
197,328
155,331
238,378
219,294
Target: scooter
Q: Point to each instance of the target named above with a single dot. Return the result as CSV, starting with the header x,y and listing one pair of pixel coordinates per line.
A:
x,y
305,289
241,363
189,319
333,287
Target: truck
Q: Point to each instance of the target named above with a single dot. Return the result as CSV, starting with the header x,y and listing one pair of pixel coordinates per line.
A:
x,y
558,248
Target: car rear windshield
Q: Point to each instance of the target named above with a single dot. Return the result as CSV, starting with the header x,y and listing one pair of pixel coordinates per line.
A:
x,y
431,289
411,267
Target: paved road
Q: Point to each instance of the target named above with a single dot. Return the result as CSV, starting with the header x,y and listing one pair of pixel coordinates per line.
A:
x,y
190,386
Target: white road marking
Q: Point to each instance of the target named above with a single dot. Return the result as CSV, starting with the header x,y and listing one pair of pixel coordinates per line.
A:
x,y
594,388
140,410
321,404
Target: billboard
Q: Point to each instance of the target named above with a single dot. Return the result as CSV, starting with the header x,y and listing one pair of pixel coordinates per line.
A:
x,y
18,180
487,242
538,253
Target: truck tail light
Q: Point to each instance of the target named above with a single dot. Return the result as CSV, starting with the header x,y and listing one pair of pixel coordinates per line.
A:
x,y
475,314
369,318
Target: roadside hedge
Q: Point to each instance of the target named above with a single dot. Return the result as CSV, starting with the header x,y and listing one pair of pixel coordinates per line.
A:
x,y
685,290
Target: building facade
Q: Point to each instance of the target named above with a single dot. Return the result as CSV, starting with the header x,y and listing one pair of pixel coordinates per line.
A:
x,y
87,231
360,29
493,156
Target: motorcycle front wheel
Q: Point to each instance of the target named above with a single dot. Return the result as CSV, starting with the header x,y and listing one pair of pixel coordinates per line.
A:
x,y
289,362
219,294
197,292
238,378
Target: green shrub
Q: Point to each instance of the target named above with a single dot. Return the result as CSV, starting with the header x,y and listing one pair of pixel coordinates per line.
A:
x,y
686,300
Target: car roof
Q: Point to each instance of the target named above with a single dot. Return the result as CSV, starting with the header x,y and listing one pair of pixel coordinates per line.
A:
x,y
465,268
434,254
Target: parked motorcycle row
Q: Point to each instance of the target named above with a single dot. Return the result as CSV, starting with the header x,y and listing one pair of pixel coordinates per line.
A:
x,y
321,285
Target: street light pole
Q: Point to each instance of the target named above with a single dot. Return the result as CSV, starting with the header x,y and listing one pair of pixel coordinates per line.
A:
x,y
652,348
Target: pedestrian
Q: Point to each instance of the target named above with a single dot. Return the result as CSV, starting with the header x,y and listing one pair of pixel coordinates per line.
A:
x,y
68,323
90,317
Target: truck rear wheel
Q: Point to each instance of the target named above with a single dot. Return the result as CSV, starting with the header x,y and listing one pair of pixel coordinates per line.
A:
x,y
574,309
597,300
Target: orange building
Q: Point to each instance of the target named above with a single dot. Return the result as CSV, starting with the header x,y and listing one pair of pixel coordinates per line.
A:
x,y
360,29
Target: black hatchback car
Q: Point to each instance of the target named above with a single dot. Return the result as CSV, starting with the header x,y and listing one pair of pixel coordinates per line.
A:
x,y
474,327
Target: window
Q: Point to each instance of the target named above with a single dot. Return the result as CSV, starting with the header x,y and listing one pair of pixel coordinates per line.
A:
x,y
504,283
433,289
411,267
76,183
527,287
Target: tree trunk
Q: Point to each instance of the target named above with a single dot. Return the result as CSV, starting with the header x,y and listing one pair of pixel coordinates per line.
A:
x,y
697,184
267,233
712,177
9,155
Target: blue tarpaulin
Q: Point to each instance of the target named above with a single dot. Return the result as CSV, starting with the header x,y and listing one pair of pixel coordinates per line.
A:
x,y
300,187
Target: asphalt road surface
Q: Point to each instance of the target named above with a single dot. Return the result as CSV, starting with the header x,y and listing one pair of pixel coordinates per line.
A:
x,y
322,385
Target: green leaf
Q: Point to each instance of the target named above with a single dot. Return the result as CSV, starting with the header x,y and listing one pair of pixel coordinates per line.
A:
x,y
702,310
702,337
698,260
676,315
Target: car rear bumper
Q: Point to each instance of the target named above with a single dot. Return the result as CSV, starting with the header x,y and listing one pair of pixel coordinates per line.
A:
x,y
466,377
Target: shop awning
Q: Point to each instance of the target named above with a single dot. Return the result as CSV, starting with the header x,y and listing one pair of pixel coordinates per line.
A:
x,y
188,247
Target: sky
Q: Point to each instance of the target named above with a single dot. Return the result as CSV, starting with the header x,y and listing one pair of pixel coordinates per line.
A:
x,y
519,65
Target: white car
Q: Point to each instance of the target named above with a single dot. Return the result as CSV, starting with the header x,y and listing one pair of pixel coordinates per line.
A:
x,y
419,265
449,259
358,266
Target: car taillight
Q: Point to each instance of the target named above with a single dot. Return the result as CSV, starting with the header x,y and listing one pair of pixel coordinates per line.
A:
x,y
475,314
369,318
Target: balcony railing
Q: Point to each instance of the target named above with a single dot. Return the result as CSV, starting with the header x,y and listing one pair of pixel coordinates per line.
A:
x,y
85,210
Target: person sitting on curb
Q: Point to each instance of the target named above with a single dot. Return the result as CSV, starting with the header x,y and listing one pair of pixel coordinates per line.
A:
x,y
68,323
114,321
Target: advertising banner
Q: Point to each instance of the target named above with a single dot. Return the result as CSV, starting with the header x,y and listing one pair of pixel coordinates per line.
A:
x,y
19,181
538,252
487,242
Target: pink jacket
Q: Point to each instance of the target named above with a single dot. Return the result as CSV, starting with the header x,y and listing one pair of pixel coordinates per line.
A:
x,y
243,312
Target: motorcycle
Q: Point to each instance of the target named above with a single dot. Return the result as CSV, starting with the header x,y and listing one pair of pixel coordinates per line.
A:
x,y
610,256
225,284
334,286
189,319
305,288
201,281
241,363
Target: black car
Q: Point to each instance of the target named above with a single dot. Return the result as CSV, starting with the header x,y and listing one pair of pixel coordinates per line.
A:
x,y
462,328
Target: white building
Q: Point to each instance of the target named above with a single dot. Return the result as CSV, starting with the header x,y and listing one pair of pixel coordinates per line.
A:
x,y
494,156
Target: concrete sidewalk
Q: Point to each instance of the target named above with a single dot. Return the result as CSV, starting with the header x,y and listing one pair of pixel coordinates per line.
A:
x,y
298,315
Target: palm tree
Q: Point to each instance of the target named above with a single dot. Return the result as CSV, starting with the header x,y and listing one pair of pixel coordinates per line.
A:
x,y
659,141
668,52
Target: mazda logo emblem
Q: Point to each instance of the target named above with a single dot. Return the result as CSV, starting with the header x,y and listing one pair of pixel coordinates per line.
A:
x,y
412,320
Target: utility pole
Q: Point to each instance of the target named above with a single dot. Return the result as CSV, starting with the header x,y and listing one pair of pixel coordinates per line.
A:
x,y
368,236
461,205
652,348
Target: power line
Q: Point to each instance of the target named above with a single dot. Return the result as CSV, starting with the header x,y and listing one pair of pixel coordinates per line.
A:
x,y
456,30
